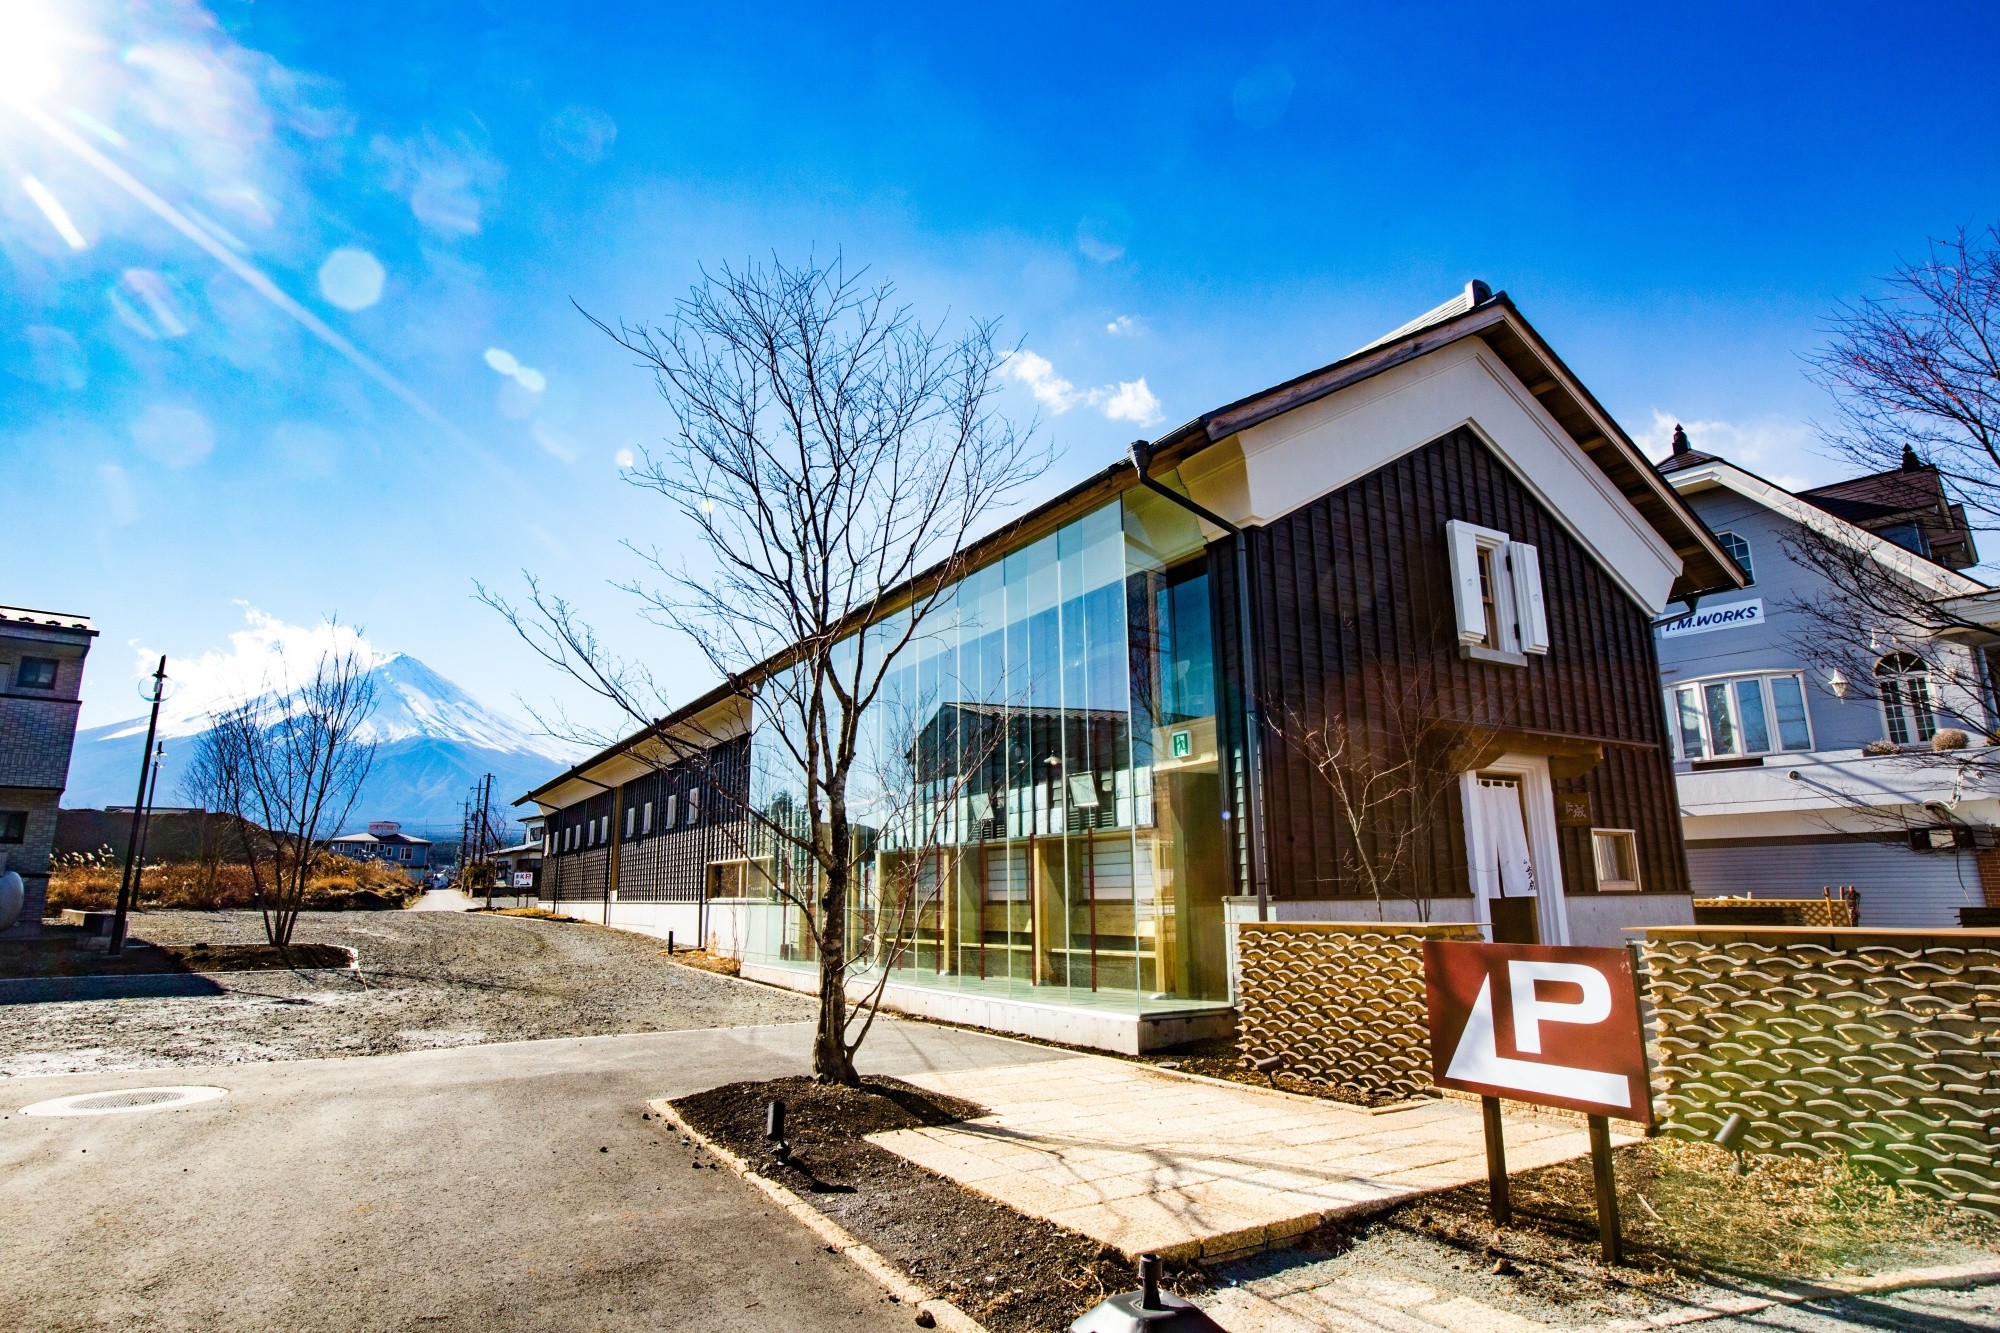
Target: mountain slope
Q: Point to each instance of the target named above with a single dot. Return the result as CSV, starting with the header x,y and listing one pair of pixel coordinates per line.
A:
x,y
433,742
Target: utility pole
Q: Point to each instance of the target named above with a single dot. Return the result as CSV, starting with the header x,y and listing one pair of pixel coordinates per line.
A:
x,y
146,825
117,944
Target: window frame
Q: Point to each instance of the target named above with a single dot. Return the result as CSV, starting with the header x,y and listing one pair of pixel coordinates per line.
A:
x,y
1729,540
1729,684
1906,690
54,665
1497,593
1629,840
9,820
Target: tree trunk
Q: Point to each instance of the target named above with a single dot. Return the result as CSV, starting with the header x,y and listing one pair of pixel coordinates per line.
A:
x,y
831,1061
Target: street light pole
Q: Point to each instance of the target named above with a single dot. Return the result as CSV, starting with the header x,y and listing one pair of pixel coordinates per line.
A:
x,y
117,943
146,827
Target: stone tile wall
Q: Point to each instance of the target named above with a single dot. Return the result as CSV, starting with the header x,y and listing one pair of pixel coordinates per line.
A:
x,y
1339,1002
1884,1045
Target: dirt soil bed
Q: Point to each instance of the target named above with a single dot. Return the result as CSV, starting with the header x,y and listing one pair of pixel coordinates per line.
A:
x,y
1693,1229
426,979
1012,1273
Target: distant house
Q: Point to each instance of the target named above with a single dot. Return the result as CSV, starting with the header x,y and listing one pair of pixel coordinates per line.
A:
x,y
518,869
1794,780
41,686
385,841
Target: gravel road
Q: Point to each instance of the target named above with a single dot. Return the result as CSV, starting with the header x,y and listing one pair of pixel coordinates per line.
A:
x,y
427,980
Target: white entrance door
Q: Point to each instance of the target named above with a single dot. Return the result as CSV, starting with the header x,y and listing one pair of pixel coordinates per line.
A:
x,y
1510,836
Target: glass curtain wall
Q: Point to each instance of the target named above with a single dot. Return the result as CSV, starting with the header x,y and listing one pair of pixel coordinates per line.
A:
x,y
1038,804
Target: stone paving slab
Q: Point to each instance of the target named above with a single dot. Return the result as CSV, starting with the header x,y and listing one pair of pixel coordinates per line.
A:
x,y
1148,1162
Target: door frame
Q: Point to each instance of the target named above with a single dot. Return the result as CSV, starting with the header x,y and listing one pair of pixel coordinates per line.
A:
x,y
1539,799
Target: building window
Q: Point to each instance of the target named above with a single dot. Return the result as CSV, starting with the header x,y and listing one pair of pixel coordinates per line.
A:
x,y
1497,590
670,811
1904,686
1729,716
1617,854
35,673
694,806
1739,551
631,821
13,827
646,820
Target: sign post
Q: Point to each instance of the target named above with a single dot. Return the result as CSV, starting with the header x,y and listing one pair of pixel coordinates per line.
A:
x,y
1556,1026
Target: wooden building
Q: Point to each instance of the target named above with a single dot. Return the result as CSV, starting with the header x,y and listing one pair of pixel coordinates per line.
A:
x,y
1375,643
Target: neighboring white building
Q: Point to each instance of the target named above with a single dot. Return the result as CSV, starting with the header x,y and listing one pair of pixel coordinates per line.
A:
x,y
386,842
1780,794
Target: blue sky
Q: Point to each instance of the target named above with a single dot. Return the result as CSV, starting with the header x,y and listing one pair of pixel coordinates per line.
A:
x,y
287,287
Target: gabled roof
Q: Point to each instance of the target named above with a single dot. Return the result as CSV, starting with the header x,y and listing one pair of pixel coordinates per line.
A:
x,y
1912,495
1492,316
1927,574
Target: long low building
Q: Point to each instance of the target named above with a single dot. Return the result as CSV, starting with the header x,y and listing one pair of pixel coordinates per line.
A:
x,y
1115,733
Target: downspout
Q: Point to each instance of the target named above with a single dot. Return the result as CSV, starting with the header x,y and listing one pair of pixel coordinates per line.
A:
x,y
1253,784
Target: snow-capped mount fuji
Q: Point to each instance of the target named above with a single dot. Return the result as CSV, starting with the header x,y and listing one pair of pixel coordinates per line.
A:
x,y
433,742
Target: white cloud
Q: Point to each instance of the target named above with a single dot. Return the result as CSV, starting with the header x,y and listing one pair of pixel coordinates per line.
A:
x,y
173,436
1133,402
267,654
1125,326
1777,447
1130,400
1039,376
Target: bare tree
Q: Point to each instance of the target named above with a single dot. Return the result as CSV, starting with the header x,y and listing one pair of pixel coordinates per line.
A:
x,y
1915,375
286,768
1917,371
1391,772
835,455
206,786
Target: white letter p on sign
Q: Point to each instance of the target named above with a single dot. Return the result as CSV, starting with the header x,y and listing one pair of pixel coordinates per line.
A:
x,y
1530,1013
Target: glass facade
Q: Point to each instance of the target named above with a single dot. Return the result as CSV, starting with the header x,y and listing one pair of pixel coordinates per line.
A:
x,y
1039,803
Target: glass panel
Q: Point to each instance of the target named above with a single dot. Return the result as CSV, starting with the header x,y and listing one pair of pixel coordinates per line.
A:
x,y
1688,711
1750,714
1721,728
1892,709
1920,706
1788,700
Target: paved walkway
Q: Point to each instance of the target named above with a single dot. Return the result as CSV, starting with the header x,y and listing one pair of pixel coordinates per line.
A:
x,y
443,900
1148,1161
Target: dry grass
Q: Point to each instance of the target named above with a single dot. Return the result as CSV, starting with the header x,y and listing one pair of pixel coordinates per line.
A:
x,y
88,881
535,914
702,959
1683,1209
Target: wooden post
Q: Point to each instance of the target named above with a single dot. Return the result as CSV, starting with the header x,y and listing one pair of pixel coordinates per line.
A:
x,y
1496,1164
1607,1188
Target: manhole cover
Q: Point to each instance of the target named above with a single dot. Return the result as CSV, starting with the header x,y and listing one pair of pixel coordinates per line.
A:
x,y
124,1099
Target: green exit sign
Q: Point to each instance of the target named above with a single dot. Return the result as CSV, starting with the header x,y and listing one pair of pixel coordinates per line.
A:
x,y
1183,744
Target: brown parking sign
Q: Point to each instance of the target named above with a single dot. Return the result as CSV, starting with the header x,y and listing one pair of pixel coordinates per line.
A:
x,y
1557,1026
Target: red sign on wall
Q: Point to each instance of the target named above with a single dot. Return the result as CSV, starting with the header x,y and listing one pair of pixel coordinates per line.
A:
x,y
1556,1026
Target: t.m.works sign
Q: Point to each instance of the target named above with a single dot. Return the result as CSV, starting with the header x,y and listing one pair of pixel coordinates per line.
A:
x,y
1736,615
1538,1023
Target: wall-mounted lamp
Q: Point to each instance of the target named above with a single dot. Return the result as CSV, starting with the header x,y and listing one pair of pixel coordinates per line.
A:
x,y
1837,683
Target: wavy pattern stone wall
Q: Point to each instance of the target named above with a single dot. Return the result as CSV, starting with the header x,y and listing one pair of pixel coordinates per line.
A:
x,y
1338,1002
1881,1045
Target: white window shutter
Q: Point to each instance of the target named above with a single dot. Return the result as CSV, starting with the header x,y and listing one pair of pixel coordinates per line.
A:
x,y
1525,565
1464,540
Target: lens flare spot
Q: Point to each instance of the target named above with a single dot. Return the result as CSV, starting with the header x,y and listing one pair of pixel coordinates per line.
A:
x,y
351,278
502,360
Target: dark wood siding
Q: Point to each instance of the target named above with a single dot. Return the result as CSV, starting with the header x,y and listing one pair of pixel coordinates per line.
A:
x,y
1354,588
668,864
